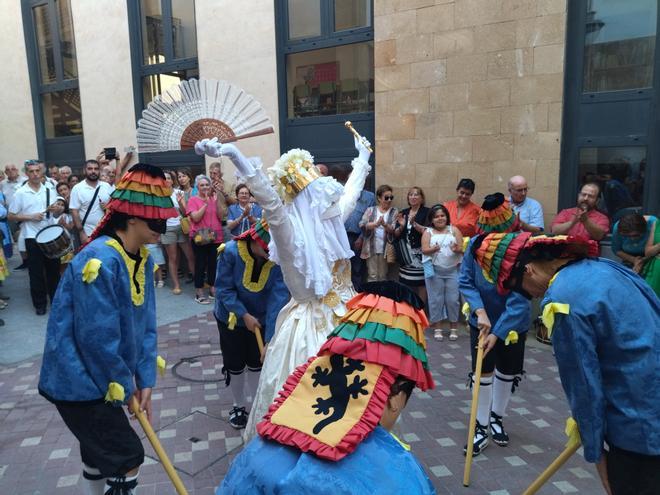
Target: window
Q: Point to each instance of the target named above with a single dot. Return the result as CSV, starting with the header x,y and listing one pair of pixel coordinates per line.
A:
x,y
51,50
619,45
163,52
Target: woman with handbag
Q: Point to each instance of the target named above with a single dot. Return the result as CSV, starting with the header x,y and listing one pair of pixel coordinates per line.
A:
x,y
175,238
411,226
378,224
205,212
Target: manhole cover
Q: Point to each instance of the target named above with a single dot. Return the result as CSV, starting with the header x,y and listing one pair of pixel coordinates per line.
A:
x,y
204,368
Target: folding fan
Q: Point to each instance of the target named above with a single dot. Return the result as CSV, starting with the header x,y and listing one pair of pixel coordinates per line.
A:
x,y
197,109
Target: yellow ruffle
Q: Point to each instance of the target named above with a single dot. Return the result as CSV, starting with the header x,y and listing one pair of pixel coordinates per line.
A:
x,y
231,321
161,364
549,311
91,270
511,338
249,267
220,249
115,393
137,297
361,316
572,432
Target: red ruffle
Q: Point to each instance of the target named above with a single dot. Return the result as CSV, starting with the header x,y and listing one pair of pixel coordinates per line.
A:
x,y
142,211
374,301
509,260
295,438
390,356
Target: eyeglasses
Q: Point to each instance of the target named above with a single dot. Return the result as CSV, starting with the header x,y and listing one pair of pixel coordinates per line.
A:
x,y
388,198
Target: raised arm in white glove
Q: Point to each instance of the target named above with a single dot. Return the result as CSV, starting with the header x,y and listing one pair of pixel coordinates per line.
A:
x,y
355,182
216,149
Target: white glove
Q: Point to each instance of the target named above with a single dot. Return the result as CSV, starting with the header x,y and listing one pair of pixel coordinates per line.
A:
x,y
361,147
199,146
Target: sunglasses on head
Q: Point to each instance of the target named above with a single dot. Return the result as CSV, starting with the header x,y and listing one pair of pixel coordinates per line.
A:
x,y
388,198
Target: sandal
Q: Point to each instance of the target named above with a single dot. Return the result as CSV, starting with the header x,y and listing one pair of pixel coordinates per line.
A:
x,y
437,334
160,284
452,334
202,300
177,291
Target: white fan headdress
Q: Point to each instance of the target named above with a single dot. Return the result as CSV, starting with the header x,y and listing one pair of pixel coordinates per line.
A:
x,y
197,109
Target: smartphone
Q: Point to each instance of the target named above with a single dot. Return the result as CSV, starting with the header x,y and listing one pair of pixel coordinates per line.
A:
x,y
110,153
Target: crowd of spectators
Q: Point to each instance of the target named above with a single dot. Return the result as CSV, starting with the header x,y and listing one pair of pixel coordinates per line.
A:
x,y
417,244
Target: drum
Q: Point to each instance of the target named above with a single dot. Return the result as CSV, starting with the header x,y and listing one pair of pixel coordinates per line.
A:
x,y
54,241
542,332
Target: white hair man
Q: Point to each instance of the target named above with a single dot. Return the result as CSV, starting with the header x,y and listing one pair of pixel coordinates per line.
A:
x,y
529,211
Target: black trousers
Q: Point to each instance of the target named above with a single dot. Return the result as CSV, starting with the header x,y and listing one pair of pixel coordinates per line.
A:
x,y
44,274
358,265
630,473
508,359
205,264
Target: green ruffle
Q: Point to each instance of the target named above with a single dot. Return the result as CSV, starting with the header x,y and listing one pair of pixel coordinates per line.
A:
x,y
377,332
498,257
143,198
500,227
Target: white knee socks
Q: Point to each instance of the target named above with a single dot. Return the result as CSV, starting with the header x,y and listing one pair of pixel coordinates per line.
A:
x,y
485,400
93,481
252,383
502,392
237,385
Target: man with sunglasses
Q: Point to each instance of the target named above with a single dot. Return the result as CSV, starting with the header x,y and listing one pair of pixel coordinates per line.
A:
x,y
603,321
101,337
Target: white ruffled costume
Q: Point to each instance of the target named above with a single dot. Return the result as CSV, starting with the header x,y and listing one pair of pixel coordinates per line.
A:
x,y
309,242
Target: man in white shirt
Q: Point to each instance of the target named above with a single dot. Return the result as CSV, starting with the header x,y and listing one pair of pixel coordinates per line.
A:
x,y
529,211
87,206
33,205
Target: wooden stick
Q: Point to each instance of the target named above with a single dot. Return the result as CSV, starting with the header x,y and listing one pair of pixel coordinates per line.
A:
x,y
552,468
349,126
155,443
260,340
473,411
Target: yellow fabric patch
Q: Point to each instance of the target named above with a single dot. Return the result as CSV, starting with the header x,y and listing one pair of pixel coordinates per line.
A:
x,y
91,270
466,241
299,410
511,338
572,432
466,310
115,393
137,297
220,249
161,364
231,321
553,279
249,267
361,316
549,311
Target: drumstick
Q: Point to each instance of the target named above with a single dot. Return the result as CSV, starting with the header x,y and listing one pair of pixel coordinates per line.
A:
x,y
349,126
260,340
473,411
158,448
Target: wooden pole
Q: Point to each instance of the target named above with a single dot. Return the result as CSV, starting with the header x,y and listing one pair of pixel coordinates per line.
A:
x,y
260,340
155,443
473,411
566,454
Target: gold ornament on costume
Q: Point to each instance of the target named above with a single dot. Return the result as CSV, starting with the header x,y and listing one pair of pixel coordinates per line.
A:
x,y
293,172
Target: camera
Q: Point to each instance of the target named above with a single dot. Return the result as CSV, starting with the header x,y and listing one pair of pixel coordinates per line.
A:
x,y
110,153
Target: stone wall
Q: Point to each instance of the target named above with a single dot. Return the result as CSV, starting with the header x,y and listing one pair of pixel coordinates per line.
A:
x,y
469,88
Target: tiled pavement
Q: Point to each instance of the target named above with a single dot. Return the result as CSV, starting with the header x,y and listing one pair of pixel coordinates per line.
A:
x,y
38,455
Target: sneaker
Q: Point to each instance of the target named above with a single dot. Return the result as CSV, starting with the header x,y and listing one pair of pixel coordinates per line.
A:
x,y
160,284
480,440
238,417
500,436
202,300
22,266
437,334
41,311
452,334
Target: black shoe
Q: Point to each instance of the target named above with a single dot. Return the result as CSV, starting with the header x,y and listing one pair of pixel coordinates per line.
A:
x,y
480,440
497,432
22,266
41,311
238,417
189,279
5,298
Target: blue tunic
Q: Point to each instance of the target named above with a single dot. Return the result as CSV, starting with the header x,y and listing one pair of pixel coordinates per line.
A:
x,y
98,331
237,293
378,465
608,353
505,313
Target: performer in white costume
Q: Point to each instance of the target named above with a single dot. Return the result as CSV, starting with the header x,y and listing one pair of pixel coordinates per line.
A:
x,y
306,214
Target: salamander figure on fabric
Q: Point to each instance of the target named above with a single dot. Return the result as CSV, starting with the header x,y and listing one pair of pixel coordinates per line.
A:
x,y
340,391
